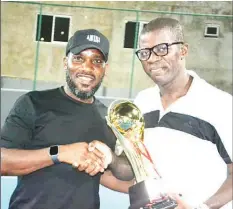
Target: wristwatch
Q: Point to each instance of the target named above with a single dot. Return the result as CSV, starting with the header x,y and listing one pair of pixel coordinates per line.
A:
x,y
53,151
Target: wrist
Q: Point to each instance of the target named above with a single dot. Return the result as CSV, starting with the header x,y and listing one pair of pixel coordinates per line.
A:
x,y
112,159
53,152
108,159
61,153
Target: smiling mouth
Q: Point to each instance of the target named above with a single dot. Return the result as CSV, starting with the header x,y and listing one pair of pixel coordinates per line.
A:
x,y
85,75
156,69
85,79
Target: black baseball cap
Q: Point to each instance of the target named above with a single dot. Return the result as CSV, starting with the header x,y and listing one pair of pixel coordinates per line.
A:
x,y
88,39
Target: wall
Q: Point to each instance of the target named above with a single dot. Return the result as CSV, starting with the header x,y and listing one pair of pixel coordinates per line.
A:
x,y
210,57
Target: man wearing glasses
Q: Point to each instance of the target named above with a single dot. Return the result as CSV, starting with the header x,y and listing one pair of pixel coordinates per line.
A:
x,y
188,122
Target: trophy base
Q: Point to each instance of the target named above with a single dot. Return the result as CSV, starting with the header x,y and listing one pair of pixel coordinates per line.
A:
x,y
141,199
165,204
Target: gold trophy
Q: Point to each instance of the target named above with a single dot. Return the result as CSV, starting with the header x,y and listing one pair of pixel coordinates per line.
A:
x,y
127,122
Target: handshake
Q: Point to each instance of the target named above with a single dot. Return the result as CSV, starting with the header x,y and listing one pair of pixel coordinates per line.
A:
x,y
91,158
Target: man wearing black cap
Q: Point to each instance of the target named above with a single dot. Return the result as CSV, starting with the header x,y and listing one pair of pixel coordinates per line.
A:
x,y
57,141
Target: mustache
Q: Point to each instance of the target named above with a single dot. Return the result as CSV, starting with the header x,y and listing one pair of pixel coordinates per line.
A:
x,y
85,73
80,72
78,92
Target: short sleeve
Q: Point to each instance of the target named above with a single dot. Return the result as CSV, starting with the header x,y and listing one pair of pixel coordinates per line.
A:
x,y
223,124
137,99
18,127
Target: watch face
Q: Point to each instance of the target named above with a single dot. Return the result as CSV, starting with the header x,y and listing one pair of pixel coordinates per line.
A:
x,y
53,150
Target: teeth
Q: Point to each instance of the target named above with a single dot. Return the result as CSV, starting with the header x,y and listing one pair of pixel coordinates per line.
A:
x,y
85,78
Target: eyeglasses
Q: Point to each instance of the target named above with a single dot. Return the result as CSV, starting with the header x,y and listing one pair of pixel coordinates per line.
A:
x,y
159,50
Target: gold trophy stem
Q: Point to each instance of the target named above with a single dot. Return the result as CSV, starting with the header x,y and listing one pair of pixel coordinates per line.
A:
x,y
134,158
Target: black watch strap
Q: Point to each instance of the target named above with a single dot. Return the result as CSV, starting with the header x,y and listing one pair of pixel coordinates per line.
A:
x,y
53,151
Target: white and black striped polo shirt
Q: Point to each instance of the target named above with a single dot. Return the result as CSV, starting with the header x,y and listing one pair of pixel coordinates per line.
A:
x,y
191,141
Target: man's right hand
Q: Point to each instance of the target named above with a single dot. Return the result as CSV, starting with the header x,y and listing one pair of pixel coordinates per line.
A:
x,y
78,155
18,162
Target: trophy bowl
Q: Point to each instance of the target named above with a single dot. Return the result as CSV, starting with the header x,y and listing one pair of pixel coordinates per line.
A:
x,y
127,122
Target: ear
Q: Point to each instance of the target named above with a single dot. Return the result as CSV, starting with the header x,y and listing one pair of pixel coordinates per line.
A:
x,y
106,68
65,63
184,50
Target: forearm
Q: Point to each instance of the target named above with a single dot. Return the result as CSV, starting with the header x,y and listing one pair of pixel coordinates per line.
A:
x,y
121,168
16,162
222,196
111,182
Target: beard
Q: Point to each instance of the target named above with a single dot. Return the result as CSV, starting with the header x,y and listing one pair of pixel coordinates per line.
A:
x,y
83,95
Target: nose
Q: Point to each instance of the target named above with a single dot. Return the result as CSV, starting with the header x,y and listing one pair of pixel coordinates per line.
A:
x,y
87,65
153,58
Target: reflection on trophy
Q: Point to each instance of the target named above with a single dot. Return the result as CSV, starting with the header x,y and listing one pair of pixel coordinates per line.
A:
x,y
127,123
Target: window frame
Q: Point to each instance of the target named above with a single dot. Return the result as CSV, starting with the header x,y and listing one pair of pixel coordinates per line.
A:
x,y
212,25
53,28
141,24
